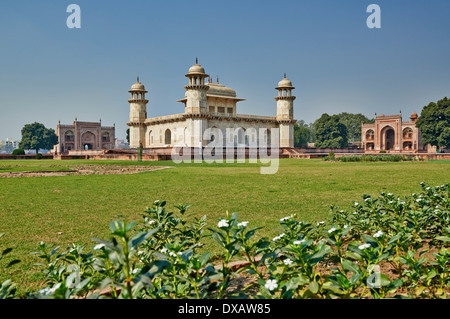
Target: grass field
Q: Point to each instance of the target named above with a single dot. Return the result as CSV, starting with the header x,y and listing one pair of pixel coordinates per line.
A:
x,y
69,209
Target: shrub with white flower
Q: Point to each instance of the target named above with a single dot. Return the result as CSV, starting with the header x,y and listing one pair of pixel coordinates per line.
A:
x,y
271,284
223,223
299,242
285,218
364,246
287,262
242,224
331,230
378,234
278,237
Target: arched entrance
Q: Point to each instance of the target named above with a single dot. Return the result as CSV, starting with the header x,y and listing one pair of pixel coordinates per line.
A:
x,y
388,138
88,140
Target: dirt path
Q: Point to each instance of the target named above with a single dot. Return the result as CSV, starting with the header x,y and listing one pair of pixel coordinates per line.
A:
x,y
85,170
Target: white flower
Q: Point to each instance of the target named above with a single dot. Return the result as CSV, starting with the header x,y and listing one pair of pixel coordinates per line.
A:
x,y
287,262
356,203
390,194
223,223
271,284
378,234
164,250
345,226
331,230
151,222
299,242
364,246
242,224
135,271
140,252
285,218
278,237
172,254
99,246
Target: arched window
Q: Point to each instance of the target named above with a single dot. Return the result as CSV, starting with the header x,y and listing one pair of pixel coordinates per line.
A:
x,y
370,135
407,133
168,137
69,136
105,137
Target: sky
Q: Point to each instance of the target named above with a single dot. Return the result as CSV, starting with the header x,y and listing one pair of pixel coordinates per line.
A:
x,y
51,73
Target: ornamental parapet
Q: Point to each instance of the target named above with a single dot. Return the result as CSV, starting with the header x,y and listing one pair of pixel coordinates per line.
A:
x,y
135,123
287,122
289,98
196,87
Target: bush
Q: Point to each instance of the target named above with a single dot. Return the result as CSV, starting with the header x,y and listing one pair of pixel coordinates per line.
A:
x,y
38,156
18,151
383,247
373,158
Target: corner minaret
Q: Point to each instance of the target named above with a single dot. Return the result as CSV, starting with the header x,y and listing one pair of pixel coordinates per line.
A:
x,y
285,112
196,90
138,114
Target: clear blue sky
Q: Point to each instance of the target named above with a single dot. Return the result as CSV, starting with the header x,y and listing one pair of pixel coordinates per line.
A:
x,y
49,72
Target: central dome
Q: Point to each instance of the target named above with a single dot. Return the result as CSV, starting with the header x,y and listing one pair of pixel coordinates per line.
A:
x,y
219,89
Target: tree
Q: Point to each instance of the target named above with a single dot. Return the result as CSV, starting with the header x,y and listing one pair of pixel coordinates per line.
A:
x,y
302,134
353,124
434,123
36,136
329,132
128,136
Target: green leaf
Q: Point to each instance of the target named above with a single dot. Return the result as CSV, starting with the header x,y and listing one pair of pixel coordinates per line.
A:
x,y
117,228
343,281
353,255
130,226
443,238
350,266
370,240
394,239
354,279
313,287
293,283
157,266
219,238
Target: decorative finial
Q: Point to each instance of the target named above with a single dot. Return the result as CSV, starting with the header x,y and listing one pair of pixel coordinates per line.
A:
x,y
284,74
217,79
196,61
138,78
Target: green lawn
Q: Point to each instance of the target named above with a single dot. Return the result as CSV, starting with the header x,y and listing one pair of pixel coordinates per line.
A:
x,y
66,209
